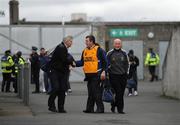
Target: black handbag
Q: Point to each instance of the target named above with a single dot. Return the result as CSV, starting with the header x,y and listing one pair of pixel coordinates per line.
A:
x,y
107,95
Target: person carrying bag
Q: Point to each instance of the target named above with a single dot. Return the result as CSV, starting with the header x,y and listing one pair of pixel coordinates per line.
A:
x,y
107,95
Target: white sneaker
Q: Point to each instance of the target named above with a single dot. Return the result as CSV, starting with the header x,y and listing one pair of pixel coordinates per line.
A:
x,y
130,94
135,93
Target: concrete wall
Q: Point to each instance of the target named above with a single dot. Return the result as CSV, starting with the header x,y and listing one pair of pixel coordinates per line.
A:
x,y
171,81
162,32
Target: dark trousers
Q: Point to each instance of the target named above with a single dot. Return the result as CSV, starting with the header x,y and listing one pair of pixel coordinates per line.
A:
x,y
47,83
131,89
6,81
58,84
118,83
36,80
94,94
15,83
152,71
68,83
61,100
135,78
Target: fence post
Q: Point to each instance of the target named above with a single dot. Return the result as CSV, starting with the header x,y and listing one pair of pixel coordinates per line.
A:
x,y
27,80
20,81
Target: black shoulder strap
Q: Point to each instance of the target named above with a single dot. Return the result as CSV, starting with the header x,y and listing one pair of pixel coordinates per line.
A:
x,y
22,59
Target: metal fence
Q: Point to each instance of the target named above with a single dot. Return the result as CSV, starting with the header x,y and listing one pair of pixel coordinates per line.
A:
x,y
23,37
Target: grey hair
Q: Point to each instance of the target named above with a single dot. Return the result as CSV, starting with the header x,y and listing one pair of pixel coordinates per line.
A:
x,y
67,38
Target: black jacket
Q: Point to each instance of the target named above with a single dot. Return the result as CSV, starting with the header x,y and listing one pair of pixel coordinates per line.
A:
x,y
134,63
35,63
59,60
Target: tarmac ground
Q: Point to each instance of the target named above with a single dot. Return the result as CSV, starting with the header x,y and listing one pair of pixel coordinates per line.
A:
x,y
148,108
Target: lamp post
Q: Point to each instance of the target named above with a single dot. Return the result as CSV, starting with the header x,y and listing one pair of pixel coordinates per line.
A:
x,y
63,26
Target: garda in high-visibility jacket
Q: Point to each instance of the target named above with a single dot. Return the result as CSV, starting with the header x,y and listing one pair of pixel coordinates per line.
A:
x,y
6,64
18,61
152,59
90,60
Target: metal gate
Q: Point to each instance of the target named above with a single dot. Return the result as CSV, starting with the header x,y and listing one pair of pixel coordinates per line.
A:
x,y
24,37
137,46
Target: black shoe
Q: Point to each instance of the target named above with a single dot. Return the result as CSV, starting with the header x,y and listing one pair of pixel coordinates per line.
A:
x,y
8,91
52,109
113,109
151,80
156,78
99,112
62,111
87,111
121,112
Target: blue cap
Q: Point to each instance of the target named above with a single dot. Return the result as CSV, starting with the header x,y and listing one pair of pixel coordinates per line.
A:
x,y
34,48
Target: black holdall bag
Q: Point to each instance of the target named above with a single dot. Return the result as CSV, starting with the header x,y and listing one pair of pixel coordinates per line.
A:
x,y
107,95
46,67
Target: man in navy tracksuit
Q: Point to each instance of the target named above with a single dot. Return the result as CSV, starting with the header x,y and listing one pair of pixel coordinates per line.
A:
x,y
118,68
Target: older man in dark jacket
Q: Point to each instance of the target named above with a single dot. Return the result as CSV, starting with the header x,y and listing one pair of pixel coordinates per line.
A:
x,y
118,68
59,71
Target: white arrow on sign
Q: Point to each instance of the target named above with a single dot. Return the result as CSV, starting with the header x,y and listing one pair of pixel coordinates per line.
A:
x,y
2,13
114,32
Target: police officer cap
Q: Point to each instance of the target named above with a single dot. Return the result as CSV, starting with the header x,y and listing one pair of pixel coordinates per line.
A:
x,y
7,51
150,49
34,48
19,53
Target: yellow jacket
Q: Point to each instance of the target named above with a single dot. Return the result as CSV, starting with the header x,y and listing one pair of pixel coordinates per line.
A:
x,y
21,61
6,64
152,59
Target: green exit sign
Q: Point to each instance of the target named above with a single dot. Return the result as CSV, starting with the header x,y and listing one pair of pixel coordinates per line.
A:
x,y
123,32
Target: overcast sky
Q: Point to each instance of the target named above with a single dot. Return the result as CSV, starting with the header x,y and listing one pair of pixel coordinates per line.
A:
x,y
108,10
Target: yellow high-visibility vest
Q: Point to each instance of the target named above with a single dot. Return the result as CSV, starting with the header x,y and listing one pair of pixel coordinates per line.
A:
x,y
6,64
152,61
90,60
20,62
